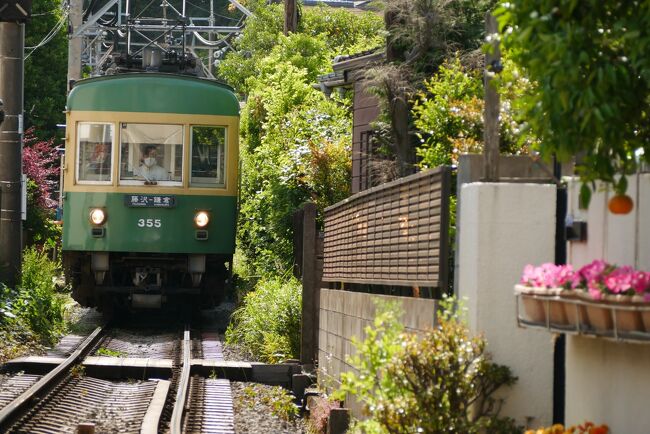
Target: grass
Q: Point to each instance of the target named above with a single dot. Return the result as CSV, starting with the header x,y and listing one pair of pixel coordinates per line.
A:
x,y
268,322
278,399
107,352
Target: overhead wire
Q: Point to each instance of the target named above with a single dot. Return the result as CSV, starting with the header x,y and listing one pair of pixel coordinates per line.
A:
x,y
50,35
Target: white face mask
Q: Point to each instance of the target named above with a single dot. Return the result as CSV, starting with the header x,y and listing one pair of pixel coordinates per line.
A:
x,y
149,161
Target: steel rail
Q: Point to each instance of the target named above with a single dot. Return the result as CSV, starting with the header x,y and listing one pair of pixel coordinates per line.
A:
x,y
11,410
183,385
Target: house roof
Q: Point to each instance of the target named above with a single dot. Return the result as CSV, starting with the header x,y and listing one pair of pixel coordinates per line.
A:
x,y
346,67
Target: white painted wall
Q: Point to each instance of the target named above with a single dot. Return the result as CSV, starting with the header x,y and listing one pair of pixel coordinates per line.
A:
x,y
609,382
505,227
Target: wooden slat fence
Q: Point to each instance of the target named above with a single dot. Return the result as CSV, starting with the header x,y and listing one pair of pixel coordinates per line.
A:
x,y
394,234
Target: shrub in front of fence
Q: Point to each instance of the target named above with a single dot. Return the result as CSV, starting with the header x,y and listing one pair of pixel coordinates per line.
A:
x,y
439,381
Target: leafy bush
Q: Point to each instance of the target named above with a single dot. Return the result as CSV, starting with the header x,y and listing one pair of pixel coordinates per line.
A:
x,y
440,381
448,114
296,149
268,322
36,301
41,165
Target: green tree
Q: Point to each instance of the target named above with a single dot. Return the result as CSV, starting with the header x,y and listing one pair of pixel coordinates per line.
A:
x,y
295,141
448,114
338,31
46,54
422,35
296,148
589,64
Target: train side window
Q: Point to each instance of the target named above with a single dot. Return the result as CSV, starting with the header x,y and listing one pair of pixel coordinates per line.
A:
x,y
151,152
94,152
208,156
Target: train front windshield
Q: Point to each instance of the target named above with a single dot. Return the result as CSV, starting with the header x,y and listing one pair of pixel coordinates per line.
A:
x,y
152,153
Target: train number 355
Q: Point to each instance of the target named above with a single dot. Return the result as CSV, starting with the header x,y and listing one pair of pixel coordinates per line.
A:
x,y
149,223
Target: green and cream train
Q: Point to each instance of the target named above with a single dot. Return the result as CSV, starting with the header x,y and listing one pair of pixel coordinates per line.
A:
x,y
150,189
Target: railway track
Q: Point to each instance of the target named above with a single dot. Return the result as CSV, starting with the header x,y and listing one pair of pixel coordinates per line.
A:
x,y
103,386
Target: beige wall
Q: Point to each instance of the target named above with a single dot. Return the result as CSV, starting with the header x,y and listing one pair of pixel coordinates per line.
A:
x,y
503,228
609,382
345,314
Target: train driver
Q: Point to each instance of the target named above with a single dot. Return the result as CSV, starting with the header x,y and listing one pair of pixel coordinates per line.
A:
x,y
149,169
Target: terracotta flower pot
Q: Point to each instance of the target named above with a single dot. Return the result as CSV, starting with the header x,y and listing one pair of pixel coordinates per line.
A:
x,y
645,318
534,308
575,313
599,314
556,312
627,320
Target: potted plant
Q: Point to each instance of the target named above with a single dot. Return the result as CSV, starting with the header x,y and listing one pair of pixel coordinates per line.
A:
x,y
599,295
624,287
540,288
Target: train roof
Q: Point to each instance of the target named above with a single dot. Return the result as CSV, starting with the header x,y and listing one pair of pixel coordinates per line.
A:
x,y
153,93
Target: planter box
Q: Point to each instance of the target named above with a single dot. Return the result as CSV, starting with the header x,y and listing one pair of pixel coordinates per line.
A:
x,y
614,317
534,303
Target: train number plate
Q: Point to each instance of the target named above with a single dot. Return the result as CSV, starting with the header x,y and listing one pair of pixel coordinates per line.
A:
x,y
149,201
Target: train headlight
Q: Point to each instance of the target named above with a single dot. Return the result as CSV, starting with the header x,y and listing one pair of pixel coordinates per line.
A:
x,y
201,219
97,216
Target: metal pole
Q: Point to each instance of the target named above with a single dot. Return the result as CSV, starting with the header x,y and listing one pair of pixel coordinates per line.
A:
x,y
12,40
74,44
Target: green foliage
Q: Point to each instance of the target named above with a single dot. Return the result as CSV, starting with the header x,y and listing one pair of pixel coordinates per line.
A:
x,y
268,322
324,33
107,352
46,68
425,33
589,64
278,399
422,36
344,32
39,225
296,146
440,381
448,114
295,143
36,303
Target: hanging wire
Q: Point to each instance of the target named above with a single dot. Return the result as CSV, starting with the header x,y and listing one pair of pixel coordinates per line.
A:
x,y
50,35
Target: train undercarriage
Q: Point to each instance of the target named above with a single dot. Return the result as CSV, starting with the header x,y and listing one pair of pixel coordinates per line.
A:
x,y
128,281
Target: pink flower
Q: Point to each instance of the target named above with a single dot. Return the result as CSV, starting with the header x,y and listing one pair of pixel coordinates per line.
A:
x,y
548,275
640,282
593,271
620,280
595,293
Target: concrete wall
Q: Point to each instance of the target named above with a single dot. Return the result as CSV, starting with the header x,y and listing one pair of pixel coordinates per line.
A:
x,y
609,382
522,167
344,315
504,227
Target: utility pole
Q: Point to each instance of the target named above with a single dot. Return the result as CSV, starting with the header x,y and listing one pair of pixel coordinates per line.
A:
x,y
74,45
12,41
290,16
